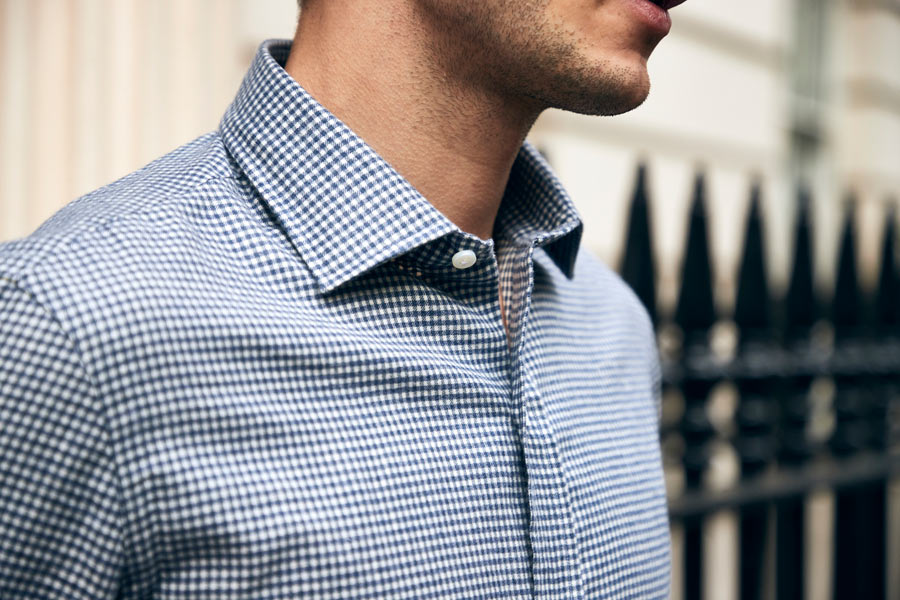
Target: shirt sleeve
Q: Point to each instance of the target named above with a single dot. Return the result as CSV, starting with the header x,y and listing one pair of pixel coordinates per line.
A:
x,y
60,532
656,373
653,358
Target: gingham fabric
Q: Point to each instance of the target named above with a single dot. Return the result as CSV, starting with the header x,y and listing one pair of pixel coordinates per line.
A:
x,y
250,370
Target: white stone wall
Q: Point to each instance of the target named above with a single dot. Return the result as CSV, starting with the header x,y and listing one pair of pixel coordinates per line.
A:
x,y
93,89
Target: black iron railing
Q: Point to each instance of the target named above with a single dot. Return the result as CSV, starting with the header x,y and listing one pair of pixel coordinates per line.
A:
x,y
814,389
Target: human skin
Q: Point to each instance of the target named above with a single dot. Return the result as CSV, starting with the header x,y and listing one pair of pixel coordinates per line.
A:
x,y
447,90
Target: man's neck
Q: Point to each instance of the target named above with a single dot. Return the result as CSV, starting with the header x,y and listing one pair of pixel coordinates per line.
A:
x,y
452,140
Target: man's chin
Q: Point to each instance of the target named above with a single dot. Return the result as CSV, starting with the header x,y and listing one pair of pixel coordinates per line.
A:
x,y
608,92
605,104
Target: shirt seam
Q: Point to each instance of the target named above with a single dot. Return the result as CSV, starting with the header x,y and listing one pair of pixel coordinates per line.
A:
x,y
34,269
94,389
566,492
61,242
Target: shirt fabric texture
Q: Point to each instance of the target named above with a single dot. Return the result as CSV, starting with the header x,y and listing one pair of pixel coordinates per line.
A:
x,y
250,370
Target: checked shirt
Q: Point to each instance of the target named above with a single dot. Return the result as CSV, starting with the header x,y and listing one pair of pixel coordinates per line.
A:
x,y
251,370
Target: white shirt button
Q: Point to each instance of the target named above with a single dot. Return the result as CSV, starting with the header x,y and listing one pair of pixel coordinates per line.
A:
x,y
464,259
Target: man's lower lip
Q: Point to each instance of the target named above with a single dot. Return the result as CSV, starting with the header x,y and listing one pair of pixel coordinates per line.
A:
x,y
652,16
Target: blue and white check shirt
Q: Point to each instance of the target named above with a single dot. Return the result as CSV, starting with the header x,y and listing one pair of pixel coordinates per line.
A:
x,y
251,370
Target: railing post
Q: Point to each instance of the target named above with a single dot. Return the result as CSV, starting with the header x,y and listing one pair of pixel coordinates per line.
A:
x,y
756,411
859,511
695,315
801,310
637,260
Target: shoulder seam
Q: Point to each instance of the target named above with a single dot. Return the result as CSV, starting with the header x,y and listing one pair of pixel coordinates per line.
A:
x,y
94,390
63,240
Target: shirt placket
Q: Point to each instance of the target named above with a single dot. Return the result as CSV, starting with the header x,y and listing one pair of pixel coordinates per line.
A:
x,y
555,565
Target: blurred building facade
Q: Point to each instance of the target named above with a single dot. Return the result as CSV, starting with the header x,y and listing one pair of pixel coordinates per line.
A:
x,y
799,90
786,91
93,89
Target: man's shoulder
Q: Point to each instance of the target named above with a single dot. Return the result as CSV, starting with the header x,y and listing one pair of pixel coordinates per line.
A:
x,y
602,302
111,234
607,290
143,195
170,176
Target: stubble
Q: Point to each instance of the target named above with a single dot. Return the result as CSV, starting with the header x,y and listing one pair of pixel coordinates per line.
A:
x,y
512,49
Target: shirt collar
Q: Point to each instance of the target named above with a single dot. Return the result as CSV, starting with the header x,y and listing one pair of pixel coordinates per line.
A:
x,y
343,207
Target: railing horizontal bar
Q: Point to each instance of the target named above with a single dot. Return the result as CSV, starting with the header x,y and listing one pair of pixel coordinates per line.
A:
x,y
876,358
787,483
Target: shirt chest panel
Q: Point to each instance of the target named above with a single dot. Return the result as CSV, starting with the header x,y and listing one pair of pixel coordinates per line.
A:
x,y
323,446
590,381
